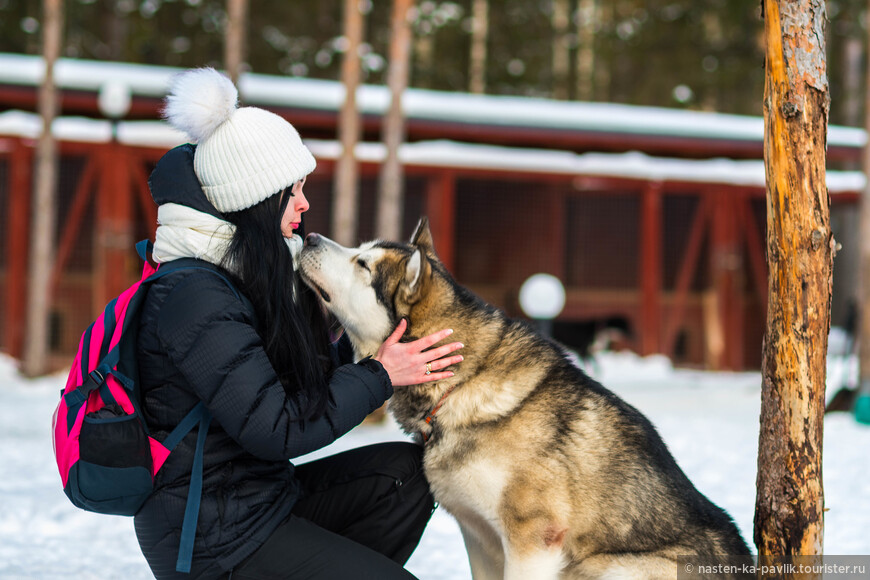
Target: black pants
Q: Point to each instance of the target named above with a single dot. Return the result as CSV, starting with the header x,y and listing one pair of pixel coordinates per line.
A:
x,y
361,516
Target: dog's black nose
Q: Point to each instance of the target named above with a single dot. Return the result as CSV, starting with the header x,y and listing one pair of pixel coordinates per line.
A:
x,y
312,240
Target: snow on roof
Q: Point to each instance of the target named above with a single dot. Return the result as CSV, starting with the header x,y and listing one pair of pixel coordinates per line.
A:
x,y
632,165
83,129
507,111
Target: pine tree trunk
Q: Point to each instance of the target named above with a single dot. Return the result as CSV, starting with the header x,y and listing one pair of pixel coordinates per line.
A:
x,y
479,36
789,506
235,38
606,17
587,15
560,19
388,225
344,185
44,206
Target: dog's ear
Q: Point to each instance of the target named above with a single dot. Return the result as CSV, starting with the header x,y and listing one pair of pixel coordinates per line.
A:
x,y
422,236
417,269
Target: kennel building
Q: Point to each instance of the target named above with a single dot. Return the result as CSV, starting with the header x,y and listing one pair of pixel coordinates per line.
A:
x,y
653,219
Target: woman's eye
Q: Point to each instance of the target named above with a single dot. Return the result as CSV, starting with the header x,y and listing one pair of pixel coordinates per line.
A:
x,y
362,264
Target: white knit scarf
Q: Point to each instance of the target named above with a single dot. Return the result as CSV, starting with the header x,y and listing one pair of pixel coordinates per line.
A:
x,y
184,232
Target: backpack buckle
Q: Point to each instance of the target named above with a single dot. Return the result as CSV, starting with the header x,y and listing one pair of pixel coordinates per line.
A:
x,y
80,395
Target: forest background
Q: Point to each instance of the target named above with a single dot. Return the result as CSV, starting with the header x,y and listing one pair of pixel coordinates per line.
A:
x,y
696,54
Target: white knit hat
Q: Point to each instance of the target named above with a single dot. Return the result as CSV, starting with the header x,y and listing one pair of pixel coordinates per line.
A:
x,y
243,155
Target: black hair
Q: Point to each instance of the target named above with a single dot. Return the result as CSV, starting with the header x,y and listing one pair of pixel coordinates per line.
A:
x,y
291,322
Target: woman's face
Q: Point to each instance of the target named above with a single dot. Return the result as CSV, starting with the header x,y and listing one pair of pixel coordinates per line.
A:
x,y
292,218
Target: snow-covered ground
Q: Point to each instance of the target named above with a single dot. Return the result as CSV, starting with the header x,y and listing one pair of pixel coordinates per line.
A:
x,y
709,421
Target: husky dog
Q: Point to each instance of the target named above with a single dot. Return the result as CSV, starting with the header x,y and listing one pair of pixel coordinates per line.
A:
x,y
549,474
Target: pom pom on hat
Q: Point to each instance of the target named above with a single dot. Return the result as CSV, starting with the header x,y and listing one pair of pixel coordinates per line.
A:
x,y
243,155
199,102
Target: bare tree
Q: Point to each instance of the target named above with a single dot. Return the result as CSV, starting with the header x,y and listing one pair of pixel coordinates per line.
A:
x,y
345,183
391,184
560,18
44,205
235,38
479,34
605,16
585,17
789,507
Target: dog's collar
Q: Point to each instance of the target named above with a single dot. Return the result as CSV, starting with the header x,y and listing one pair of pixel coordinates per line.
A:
x,y
431,416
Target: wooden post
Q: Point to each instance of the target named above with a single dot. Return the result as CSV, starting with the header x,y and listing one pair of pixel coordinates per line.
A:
x,y
789,508
119,200
650,252
17,232
44,202
114,237
441,209
726,267
390,206
346,179
235,38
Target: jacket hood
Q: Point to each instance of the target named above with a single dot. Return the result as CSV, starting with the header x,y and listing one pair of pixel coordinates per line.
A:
x,y
174,181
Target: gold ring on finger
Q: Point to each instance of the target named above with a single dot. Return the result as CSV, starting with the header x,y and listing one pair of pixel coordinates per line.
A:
x,y
428,368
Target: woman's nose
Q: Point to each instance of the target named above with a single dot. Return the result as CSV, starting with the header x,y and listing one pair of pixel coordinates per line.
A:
x,y
301,202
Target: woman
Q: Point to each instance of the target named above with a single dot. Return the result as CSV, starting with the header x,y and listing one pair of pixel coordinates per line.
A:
x,y
262,363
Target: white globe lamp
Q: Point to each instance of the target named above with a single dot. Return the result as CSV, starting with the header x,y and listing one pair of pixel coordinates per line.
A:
x,y
114,101
542,298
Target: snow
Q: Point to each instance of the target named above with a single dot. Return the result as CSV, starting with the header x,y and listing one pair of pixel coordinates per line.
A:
x,y
444,153
492,110
631,165
709,421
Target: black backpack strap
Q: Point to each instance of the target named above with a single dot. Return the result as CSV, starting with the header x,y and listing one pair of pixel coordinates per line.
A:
x,y
198,415
143,248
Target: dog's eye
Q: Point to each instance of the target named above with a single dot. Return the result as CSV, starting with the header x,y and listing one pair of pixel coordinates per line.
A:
x,y
362,264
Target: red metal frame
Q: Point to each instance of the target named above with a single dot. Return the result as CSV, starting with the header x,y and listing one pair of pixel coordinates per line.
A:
x,y
17,243
651,268
686,273
440,209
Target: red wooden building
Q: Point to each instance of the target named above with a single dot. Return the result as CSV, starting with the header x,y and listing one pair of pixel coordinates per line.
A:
x,y
652,216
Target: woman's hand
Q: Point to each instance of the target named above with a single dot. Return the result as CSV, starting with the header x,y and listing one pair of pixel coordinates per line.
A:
x,y
407,363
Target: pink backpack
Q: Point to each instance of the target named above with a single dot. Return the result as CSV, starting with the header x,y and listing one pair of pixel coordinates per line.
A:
x,y
105,454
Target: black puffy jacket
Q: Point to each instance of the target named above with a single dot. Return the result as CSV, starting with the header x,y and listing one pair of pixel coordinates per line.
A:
x,y
198,342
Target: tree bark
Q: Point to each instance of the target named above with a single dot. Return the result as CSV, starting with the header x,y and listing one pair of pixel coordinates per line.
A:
x,y
479,35
44,206
586,17
344,185
388,225
605,14
560,18
235,38
789,509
